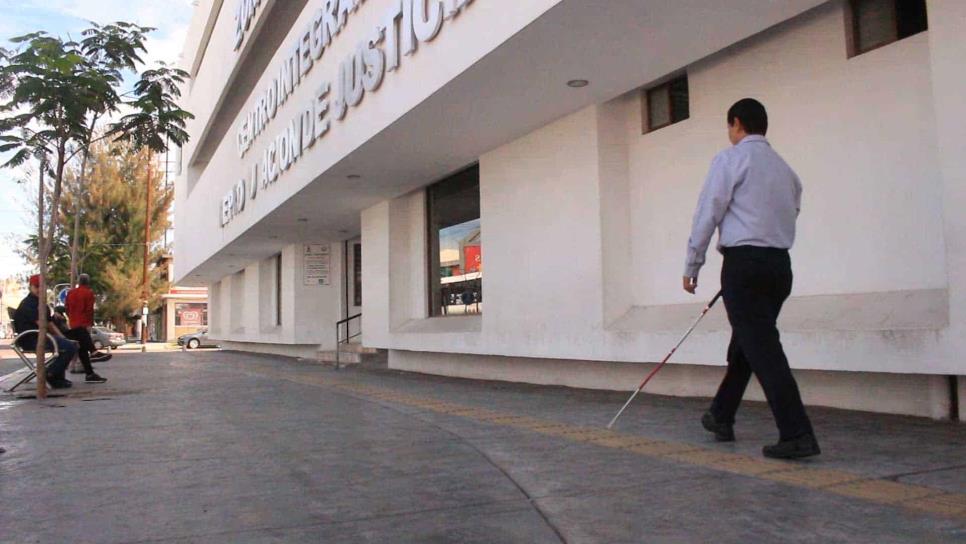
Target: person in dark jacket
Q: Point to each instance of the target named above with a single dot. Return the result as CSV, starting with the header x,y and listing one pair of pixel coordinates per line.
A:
x,y
27,318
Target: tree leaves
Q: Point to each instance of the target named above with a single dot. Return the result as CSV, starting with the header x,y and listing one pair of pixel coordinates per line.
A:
x,y
157,119
112,229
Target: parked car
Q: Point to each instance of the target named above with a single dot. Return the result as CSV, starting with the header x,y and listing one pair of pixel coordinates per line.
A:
x,y
104,338
197,340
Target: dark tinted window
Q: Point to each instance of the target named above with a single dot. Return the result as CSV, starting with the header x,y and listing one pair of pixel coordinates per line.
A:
x,y
667,104
455,238
880,22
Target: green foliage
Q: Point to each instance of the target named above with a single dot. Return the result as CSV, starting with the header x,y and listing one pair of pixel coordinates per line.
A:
x,y
157,118
112,208
53,92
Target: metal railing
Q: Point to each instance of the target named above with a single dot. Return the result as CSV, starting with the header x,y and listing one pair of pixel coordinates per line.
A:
x,y
339,340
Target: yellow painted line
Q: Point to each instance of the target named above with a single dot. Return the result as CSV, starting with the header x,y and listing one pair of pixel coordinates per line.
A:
x,y
883,491
842,483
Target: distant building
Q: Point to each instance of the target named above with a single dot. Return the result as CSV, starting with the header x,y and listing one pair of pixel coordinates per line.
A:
x,y
12,291
184,310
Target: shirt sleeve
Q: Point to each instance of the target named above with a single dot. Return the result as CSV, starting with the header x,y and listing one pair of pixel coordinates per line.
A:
x,y
712,205
798,195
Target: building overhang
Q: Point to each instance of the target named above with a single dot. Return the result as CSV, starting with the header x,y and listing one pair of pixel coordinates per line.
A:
x,y
514,89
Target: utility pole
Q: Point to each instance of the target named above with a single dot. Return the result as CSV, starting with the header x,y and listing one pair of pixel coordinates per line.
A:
x,y
147,247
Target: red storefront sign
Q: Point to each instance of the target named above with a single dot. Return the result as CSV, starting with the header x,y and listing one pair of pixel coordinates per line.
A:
x,y
473,258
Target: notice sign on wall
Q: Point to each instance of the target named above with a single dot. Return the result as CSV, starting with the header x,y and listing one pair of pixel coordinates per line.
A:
x,y
315,264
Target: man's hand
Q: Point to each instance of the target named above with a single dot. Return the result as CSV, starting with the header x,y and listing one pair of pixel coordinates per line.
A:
x,y
690,284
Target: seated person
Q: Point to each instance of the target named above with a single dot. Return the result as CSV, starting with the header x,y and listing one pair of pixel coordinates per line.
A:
x,y
84,348
26,318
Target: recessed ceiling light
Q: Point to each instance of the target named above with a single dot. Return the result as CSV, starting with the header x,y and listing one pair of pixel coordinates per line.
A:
x,y
578,83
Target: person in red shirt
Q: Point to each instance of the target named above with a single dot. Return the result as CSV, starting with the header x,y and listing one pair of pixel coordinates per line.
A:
x,y
80,314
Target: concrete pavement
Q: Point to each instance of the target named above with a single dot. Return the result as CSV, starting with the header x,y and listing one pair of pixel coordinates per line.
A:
x,y
226,447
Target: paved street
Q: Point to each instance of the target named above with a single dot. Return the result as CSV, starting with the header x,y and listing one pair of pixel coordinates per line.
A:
x,y
231,448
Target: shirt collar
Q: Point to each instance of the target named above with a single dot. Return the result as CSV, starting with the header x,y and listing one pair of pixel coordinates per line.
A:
x,y
753,138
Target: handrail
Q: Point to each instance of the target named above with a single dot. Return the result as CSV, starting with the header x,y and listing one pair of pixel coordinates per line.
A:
x,y
338,336
348,319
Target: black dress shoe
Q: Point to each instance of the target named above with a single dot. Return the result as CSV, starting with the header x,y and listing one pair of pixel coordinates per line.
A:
x,y
60,383
722,431
796,448
94,378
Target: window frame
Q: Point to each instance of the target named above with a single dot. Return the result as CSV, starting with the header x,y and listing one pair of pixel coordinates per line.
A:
x,y
665,87
434,295
357,274
852,28
278,290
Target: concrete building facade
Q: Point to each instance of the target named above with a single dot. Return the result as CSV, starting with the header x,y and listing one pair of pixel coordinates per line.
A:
x,y
504,190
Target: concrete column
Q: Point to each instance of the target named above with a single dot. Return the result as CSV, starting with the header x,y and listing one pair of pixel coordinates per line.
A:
x,y
962,398
939,397
947,28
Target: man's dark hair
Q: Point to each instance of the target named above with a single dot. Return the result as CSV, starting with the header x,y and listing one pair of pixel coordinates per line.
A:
x,y
752,115
84,279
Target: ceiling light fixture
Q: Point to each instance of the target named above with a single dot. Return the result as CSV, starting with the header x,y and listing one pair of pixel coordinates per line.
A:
x,y
577,83
354,176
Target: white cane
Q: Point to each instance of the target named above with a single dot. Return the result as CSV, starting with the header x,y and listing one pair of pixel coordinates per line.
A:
x,y
666,358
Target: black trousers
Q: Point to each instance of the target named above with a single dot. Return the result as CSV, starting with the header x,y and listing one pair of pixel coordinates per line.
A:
x,y
83,337
755,282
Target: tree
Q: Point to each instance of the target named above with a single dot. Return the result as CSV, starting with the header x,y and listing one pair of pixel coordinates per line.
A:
x,y
55,90
111,49
109,242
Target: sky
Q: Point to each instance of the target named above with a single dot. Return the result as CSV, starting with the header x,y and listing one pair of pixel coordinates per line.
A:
x,y
67,18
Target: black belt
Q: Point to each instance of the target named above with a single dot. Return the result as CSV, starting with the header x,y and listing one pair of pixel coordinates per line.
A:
x,y
753,250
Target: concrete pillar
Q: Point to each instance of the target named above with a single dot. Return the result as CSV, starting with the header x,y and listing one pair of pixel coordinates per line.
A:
x,y
947,28
939,397
961,387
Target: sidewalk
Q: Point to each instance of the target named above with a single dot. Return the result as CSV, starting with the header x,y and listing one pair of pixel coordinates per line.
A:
x,y
225,447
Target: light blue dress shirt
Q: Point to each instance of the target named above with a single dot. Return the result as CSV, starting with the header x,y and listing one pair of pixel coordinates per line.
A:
x,y
751,196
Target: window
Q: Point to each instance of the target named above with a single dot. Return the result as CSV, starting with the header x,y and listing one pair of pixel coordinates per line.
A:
x,y
278,290
190,314
880,22
666,104
455,240
357,274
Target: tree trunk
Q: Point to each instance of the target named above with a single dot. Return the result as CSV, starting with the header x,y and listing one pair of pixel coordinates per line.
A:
x,y
45,244
75,239
58,186
42,295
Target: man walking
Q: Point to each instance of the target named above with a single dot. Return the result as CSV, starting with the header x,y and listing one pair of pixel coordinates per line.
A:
x,y
27,318
80,314
752,197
